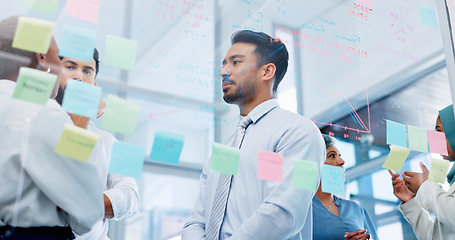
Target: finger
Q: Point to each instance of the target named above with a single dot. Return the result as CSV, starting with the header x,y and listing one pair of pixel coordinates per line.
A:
x,y
424,168
394,175
358,232
409,174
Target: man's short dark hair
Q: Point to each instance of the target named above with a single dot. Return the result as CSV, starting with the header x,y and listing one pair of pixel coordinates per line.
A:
x,y
96,57
268,50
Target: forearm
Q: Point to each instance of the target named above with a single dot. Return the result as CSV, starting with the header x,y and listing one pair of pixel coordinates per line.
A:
x,y
421,222
438,202
122,196
272,222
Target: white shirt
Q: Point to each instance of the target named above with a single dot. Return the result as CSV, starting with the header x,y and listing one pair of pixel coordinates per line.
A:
x,y
431,212
122,191
53,190
260,209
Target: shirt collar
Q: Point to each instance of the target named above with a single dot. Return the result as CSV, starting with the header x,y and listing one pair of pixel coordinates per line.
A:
x,y
262,109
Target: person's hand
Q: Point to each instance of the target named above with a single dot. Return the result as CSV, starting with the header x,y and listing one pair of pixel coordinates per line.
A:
x,y
414,180
357,235
399,188
80,121
101,108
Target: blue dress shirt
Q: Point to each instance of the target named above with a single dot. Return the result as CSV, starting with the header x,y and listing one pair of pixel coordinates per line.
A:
x,y
260,209
352,217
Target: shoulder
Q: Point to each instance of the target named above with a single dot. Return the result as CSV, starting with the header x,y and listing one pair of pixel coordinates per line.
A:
x,y
291,120
349,203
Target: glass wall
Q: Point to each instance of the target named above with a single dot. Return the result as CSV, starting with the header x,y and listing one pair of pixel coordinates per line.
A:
x,y
353,65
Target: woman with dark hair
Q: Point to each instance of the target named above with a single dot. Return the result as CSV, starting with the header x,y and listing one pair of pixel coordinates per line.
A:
x,y
336,218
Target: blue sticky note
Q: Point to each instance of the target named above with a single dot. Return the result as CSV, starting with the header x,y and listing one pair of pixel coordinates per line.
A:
x,y
396,134
428,17
77,42
81,98
332,179
127,159
167,147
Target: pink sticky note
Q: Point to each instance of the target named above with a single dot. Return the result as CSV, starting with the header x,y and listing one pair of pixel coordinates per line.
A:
x,y
437,142
270,166
84,9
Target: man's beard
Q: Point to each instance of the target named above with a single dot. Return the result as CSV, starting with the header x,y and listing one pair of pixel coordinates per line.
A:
x,y
60,94
241,95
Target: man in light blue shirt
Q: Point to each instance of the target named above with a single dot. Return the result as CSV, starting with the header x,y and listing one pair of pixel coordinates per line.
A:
x,y
258,209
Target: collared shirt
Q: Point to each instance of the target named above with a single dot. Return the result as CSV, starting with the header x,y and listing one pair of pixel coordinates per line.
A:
x,y
260,209
40,187
122,191
352,217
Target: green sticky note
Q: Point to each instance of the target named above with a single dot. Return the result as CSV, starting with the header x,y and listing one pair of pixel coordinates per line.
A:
x,y
396,158
418,139
120,115
76,143
225,159
44,6
438,171
34,35
120,52
305,175
34,85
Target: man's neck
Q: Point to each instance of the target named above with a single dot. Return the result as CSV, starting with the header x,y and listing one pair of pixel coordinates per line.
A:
x,y
246,108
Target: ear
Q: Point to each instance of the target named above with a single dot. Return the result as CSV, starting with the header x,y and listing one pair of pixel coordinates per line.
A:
x,y
40,60
268,72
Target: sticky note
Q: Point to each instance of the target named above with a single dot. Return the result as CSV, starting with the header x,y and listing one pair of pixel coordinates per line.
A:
x,y
305,175
270,166
34,85
34,35
120,115
448,123
428,17
438,171
120,52
418,140
224,159
127,159
437,142
396,158
396,134
44,6
167,147
332,179
81,98
76,143
87,10
77,42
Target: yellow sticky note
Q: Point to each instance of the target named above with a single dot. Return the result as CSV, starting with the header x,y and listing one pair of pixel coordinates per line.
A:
x,y
396,158
76,143
34,35
438,171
